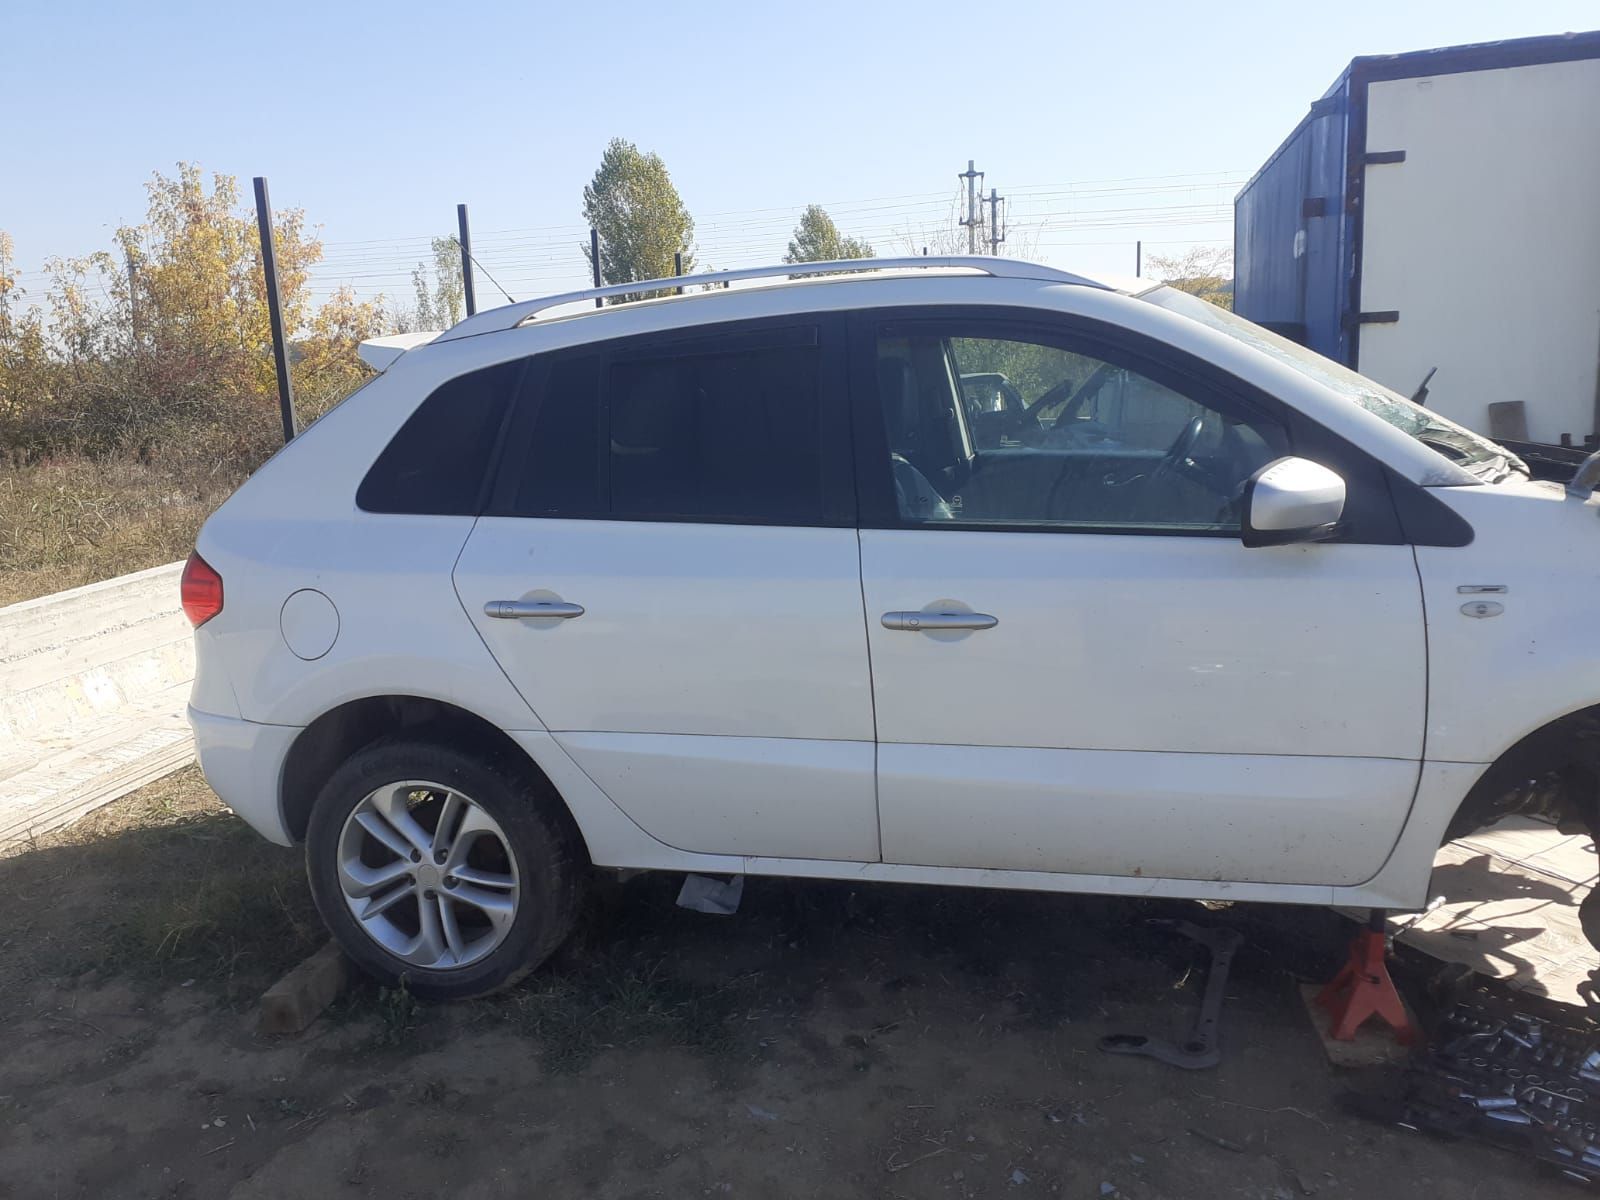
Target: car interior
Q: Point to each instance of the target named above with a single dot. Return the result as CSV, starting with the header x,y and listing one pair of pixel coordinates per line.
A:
x,y
1094,444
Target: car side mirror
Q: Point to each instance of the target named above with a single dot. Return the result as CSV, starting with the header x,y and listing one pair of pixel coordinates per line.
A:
x,y
1292,500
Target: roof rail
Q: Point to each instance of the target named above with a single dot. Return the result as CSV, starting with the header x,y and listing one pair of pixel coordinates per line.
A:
x,y
509,316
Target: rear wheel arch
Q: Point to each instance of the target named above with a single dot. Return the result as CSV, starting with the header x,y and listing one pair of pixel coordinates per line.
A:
x,y
341,732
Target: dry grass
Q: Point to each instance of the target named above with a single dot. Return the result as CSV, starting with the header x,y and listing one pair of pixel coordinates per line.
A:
x,y
70,521
164,886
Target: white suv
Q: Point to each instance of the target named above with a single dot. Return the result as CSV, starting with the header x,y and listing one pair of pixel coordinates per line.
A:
x,y
958,571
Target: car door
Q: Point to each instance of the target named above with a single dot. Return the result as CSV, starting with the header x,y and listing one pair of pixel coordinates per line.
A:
x,y
668,572
1077,665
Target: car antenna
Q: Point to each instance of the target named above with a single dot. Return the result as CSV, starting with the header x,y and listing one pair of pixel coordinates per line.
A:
x,y
1420,396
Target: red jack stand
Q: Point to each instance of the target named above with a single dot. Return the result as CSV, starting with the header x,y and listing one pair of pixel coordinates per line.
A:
x,y
1363,989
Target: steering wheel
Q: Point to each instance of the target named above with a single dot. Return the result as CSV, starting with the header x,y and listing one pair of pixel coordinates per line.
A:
x,y
1027,429
1178,452
1059,391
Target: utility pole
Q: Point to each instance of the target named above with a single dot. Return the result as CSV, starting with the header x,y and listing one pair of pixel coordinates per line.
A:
x,y
996,234
280,346
465,242
972,220
1138,259
594,258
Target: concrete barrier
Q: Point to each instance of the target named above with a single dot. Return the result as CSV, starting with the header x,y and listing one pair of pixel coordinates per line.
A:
x,y
93,683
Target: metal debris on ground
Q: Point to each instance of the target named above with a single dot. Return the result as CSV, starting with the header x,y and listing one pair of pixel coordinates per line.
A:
x,y
1201,1048
1220,1142
719,897
1526,1083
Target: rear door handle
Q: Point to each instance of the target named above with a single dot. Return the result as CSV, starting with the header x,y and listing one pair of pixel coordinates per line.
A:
x,y
928,622
519,610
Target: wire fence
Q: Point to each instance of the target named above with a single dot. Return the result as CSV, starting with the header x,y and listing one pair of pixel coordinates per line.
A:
x,y
1057,223
1048,221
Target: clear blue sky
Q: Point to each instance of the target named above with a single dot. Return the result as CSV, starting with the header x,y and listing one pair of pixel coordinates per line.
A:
x,y
378,124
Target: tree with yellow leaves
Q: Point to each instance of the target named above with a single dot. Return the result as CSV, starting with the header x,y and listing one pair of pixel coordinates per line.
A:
x,y
328,366
167,339
198,291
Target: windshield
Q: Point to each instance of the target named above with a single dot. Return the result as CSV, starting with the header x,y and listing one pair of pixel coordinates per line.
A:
x,y
1473,452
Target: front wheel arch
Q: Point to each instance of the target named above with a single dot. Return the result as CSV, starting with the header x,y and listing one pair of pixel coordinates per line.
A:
x,y
1553,773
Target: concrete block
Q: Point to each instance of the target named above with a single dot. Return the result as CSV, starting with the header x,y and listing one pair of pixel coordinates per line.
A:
x,y
93,683
296,1000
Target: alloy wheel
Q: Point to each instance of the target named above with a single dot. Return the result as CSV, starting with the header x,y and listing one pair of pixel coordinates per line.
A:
x,y
428,874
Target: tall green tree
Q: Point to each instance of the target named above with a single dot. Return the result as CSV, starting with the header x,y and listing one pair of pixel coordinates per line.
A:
x,y
441,301
641,218
817,239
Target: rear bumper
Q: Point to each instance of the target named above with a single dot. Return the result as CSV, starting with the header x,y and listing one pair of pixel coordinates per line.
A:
x,y
243,763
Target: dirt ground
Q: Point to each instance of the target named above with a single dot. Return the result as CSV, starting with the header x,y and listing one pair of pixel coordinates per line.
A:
x,y
830,1040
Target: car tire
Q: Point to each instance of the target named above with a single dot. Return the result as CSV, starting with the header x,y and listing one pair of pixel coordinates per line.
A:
x,y
449,912
1589,918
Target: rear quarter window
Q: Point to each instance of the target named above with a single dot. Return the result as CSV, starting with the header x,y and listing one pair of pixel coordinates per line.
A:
x,y
438,463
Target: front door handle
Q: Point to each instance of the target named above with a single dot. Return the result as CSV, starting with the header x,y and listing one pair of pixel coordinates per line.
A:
x,y
929,622
518,610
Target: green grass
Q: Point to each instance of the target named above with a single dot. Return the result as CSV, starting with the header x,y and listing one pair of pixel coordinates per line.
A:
x,y
398,1017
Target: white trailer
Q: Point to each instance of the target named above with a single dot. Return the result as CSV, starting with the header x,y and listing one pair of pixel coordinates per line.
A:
x,y
1441,209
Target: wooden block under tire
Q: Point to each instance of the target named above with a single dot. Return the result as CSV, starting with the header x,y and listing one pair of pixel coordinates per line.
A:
x,y
297,999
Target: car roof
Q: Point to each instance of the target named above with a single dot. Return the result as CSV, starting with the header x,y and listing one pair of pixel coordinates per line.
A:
x,y
782,275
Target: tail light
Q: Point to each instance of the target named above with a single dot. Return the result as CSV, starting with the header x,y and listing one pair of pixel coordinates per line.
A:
x,y
201,590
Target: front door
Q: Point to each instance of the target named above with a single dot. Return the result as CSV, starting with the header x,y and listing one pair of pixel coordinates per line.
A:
x,y
668,572
1077,666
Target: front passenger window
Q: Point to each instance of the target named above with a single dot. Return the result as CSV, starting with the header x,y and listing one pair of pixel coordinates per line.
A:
x,y
1068,439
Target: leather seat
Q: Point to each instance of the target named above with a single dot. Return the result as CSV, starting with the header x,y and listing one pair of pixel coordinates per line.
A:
x,y
918,499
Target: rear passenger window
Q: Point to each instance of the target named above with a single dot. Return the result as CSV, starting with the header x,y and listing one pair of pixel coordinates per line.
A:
x,y
560,476
728,429
438,462
733,436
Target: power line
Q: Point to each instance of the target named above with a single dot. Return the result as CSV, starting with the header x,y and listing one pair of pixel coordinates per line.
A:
x,y
485,271
712,231
531,257
409,248
1082,187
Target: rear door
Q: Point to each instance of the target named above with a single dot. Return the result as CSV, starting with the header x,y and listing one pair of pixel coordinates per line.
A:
x,y
1078,666
668,571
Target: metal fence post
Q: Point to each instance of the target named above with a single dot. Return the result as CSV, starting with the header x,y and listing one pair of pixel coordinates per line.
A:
x,y
280,347
465,242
